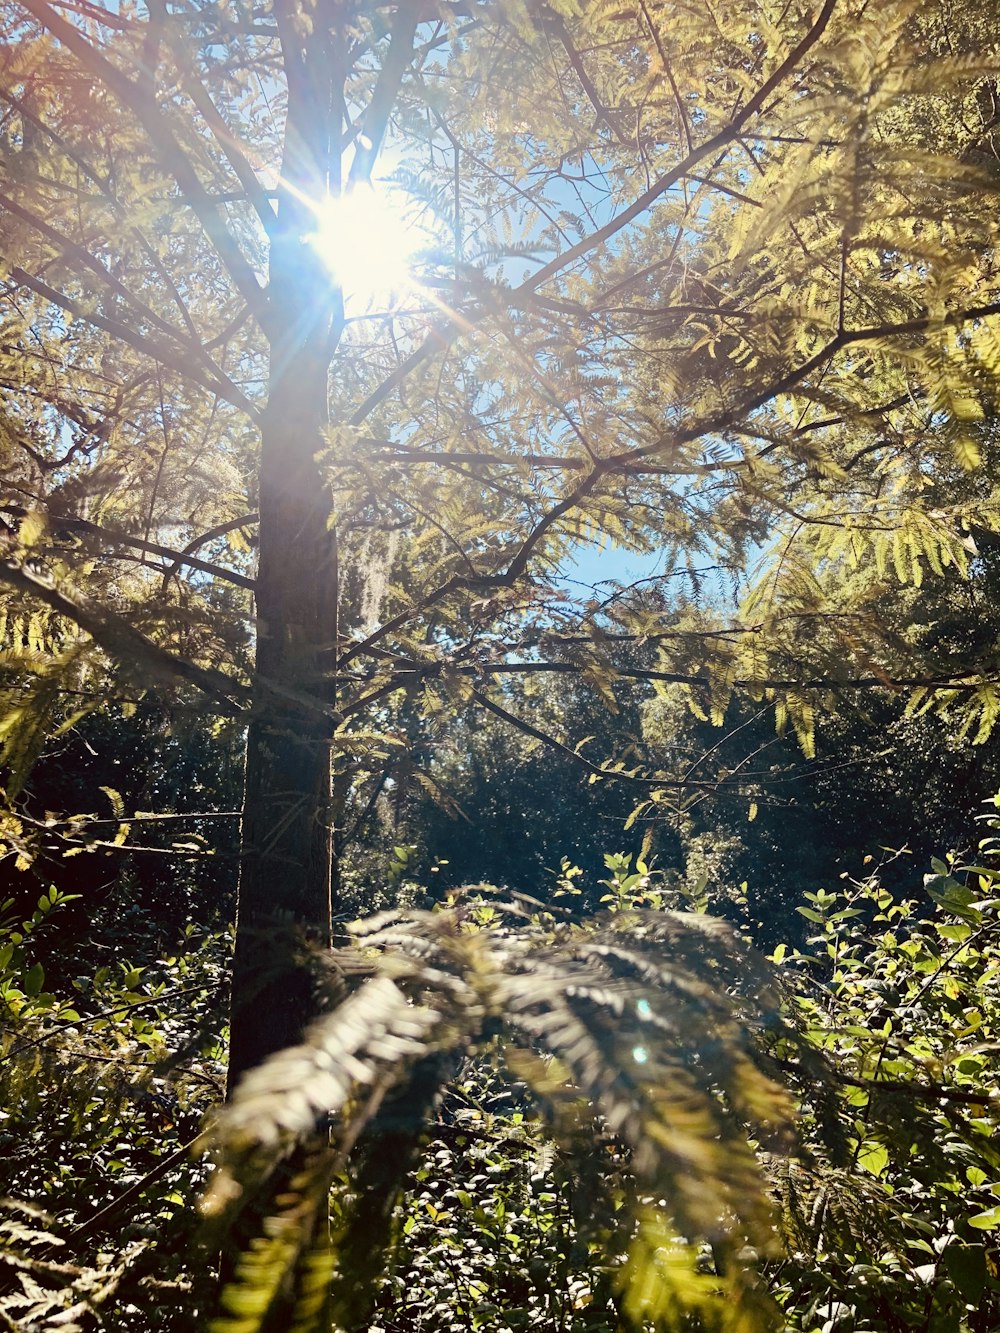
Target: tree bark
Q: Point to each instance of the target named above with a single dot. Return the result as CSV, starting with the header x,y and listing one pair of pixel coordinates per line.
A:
x,y
285,878
284,907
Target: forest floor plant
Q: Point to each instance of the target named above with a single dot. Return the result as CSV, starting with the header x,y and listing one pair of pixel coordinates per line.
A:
x,y
583,1121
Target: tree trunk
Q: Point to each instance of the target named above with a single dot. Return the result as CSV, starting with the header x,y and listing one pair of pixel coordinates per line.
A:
x,y
287,835
288,852
284,898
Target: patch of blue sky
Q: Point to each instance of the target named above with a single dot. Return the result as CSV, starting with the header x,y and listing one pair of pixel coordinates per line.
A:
x,y
596,568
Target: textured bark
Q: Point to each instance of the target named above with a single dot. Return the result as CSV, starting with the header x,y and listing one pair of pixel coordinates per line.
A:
x,y
288,850
285,879
287,838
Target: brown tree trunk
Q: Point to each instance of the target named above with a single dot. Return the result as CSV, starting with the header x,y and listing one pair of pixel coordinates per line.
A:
x,y
284,898
287,836
288,847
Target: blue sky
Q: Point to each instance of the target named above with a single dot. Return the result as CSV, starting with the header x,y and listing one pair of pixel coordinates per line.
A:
x,y
592,564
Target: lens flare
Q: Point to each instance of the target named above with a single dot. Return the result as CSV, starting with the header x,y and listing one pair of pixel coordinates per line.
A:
x,y
364,240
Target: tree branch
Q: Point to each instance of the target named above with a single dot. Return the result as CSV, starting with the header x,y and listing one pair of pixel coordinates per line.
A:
x,y
86,260
128,646
594,769
231,146
173,156
963,680
400,454
120,538
792,378
220,530
171,358
443,334
725,136
376,117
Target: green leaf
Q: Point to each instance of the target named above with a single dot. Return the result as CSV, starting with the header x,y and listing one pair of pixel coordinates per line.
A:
x,y
951,896
873,1158
966,1266
956,932
33,527
810,915
967,452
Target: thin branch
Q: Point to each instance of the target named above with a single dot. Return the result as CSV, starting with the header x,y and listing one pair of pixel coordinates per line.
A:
x,y
229,143
594,769
171,358
931,1091
119,538
78,823
376,117
443,334
220,530
681,112
172,155
725,418
126,1006
85,259
110,1212
347,837
962,680
603,112
654,636
735,731
577,668
720,139
127,645
400,454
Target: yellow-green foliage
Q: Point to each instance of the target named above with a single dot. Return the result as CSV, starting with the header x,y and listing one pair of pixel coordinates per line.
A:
x,y
650,1021
715,280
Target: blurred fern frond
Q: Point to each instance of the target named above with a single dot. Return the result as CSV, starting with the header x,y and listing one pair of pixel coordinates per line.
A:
x,y
644,1025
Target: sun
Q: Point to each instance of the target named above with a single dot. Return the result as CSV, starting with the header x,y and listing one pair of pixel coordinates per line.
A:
x,y
367,243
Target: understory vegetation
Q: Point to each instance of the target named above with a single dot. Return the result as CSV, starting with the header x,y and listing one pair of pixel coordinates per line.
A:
x,y
869,1069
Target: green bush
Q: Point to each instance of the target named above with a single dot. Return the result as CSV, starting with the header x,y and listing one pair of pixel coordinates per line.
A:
x,y
103,1091
526,1206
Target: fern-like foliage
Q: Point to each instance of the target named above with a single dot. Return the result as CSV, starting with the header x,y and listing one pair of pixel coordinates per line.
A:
x,y
53,1293
646,1023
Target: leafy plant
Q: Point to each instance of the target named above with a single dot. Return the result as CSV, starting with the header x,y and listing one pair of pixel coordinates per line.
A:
x,y
902,997
499,1227
639,1030
104,1090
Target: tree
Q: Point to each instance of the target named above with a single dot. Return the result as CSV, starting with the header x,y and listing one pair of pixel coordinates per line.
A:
x,y
687,270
